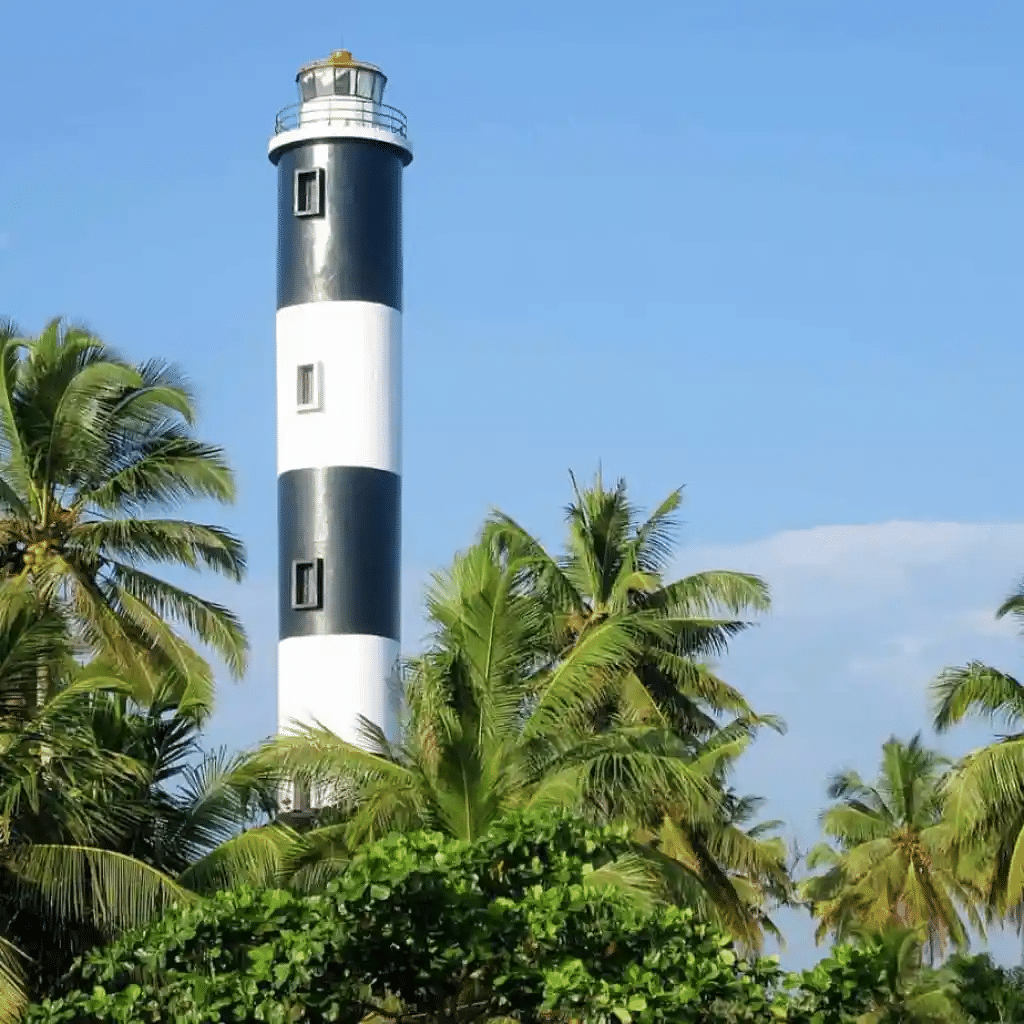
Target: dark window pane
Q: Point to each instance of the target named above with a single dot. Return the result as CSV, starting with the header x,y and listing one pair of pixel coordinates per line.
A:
x,y
306,384
342,82
307,192
305,584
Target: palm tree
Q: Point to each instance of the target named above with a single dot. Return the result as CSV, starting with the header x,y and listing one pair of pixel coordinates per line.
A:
x,y
89,446
63,884
985,792
492,724
893,863
614,568
109,808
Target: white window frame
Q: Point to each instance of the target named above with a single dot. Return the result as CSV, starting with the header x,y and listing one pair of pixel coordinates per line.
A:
x,y
297,191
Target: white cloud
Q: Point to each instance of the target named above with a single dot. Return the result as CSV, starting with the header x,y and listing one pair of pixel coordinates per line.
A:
x,y
891,561
902,597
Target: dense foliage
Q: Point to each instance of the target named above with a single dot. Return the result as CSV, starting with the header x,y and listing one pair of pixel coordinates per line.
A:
x,y
987,991
521,921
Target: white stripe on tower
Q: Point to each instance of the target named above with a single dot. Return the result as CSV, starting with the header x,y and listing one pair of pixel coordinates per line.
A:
x,y
340,155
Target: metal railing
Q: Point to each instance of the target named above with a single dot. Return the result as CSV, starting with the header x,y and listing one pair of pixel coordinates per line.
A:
x,y
379,115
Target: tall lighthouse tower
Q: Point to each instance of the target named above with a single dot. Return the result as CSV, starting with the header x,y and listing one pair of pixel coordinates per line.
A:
x,y
339,155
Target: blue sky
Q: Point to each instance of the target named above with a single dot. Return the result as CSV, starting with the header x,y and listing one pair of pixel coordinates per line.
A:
x,y
768,251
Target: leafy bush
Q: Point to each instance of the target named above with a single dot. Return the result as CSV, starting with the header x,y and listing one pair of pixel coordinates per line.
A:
x,y
526,921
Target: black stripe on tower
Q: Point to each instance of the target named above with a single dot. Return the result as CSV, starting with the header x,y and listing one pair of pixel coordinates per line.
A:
x,y
351,249
339,529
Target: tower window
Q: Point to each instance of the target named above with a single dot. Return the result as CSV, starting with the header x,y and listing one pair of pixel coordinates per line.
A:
x,y
300,796
308,392
309,192
364,84
307,583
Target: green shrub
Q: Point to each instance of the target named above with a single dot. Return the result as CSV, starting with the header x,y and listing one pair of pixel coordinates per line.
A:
x,y
423,925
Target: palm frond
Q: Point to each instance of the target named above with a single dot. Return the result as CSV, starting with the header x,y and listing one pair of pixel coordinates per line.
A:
x,y
212,623
107,889
632,876
318,758
705,594
585,676
169,541
161,472
217,797
256,857
654,543
976,689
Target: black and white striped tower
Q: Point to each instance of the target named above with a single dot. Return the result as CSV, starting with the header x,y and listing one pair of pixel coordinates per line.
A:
x,y
339,154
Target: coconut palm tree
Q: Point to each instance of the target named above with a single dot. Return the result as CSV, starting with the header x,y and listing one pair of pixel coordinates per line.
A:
x,y
110,809
490,725
63,884
614,568
985,792
91,446
891,862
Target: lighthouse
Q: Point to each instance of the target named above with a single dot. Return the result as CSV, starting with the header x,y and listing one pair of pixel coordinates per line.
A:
x,y
339,153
